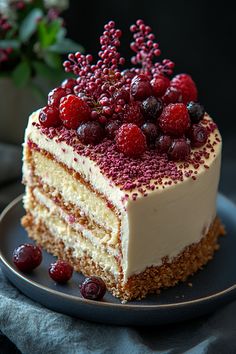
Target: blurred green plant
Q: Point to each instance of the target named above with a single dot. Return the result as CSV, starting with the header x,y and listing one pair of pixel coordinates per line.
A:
x,y
33,41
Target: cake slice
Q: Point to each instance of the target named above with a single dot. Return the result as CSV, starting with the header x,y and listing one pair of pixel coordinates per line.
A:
x,y
122,182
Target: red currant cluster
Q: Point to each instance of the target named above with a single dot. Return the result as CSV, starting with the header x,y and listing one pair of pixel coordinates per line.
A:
x,y
140,108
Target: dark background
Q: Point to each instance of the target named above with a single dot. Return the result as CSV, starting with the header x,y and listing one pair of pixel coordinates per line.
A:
x,y
199,36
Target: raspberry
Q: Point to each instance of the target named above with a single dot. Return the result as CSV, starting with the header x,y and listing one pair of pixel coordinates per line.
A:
x,y
160,85
198,135
163,143
152,107
60,271
187,86
130,140
150,130
133,114
196,111
140,87
49,117
54,97
93,288
179,150
73,111
174,119
27,257
90,133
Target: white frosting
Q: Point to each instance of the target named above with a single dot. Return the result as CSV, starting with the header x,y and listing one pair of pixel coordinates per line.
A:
x,y
159,225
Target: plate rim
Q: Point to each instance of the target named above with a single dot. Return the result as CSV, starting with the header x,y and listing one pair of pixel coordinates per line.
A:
x,y
126,306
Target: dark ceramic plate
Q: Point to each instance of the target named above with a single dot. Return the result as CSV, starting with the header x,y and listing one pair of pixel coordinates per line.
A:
x,y
211,287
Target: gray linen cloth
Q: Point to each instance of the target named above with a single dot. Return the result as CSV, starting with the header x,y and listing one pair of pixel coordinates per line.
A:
x,y
34,329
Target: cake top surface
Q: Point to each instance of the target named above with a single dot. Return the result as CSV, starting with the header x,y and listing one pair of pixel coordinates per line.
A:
x,y
142,128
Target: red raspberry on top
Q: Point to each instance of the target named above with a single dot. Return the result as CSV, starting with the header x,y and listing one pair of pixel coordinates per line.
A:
x,y
174,119
130,140
73,111
133,114
160,85
187,86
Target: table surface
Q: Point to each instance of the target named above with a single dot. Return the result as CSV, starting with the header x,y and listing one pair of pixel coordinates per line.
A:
x,y
212,334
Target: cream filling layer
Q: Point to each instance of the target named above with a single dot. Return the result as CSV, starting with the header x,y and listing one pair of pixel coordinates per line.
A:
x,y
61,230
53,175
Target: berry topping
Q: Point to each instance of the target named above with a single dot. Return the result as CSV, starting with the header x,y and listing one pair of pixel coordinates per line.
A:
x,y
73,111
111,128
196,111
68,84
27,257
60,271
90,133
152,107
179,149
198,135
140,87
160,85
54,97
150,130
172,95
130,140
187,86
49,117
133,114
174,119
93,288
163,143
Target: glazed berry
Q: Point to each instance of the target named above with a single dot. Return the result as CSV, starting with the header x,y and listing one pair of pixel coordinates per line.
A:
x,y
122,94
111,128
49,117
54,97
132,114
174,119
130,140
93,288
179,150
140,87
69,84
27,257
73,111
196,111
152,107
198,135
150,131
187,86
60,271
172,95
163,143
90,133
160,85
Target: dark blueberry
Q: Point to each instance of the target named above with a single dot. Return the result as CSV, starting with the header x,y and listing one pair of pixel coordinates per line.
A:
x,y
152,107
90,133
27,257
150,131
196,111
60,271
198,135
179,149
93,288
112,127
163,143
